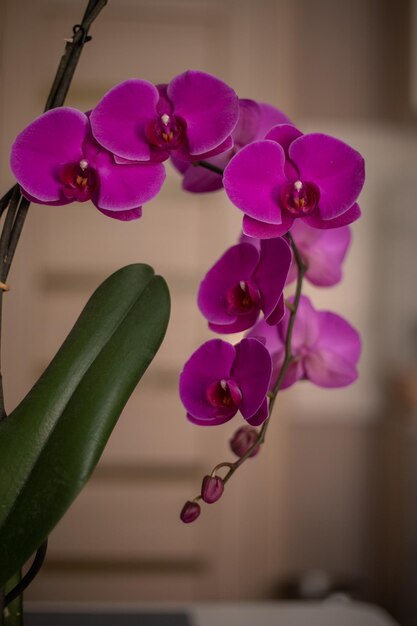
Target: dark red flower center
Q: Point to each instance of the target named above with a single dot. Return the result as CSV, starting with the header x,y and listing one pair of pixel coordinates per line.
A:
x,y
224,394
299,198
166,132
243,298
79,181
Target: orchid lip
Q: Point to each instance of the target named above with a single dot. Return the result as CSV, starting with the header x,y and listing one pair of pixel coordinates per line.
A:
x,y
300,198
167,132
243,298
224,394
79,181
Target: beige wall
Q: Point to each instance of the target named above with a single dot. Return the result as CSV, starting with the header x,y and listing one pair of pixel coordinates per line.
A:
x,y
307,501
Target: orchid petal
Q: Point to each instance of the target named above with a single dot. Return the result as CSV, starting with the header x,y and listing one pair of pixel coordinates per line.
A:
x,y
237,264
260,416
209,421
337,169
211,362
306,326
337,335
50,141
225,146
272,271
207,105
119,120
262,230
284,135
323,251
327,369
277,314
349,216
124,216
269,335
269,116
252,372
253,178
242,322
201,180
124,187
248,123
60,202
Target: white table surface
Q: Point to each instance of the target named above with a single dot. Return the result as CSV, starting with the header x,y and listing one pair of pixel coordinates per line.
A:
x,y
292,614
329,613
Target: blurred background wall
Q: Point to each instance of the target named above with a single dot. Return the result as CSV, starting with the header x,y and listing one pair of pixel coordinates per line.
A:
x,y
332,492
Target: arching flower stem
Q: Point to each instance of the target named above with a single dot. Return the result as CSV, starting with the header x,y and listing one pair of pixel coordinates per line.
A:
x,y
301,270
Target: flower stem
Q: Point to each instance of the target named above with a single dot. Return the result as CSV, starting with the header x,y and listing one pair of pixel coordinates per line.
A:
x,y
301,270
13,610
20,585
209,166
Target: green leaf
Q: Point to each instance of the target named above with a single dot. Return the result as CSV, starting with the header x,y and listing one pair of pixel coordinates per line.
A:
x,y
52,441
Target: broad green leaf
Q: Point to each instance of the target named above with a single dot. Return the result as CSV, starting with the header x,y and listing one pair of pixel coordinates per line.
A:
x,y
52,441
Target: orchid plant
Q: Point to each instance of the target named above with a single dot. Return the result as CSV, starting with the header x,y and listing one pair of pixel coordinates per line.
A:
x,y
298,193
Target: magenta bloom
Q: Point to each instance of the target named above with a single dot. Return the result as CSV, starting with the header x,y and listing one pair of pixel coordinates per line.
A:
x,y
219,380
326,347
255,119
243,282
56,160
289,175
192,117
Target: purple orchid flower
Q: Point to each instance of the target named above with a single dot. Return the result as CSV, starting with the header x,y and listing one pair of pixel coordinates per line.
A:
x,y
289,175
323,251
219,380
192,117
56,160
243,282
255,119
326,347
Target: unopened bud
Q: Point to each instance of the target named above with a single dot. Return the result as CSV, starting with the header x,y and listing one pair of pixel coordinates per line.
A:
x,y
190,512
212,489
243,440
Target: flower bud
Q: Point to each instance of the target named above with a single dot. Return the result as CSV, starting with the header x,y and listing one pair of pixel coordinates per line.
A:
x,y
212,489
190,512
242,440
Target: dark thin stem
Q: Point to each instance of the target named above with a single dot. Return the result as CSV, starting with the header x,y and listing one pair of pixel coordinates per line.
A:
x,y
210,166
17,209
29,576
15,236
72,54
13,206
4,202
8,225
301,270
61,85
